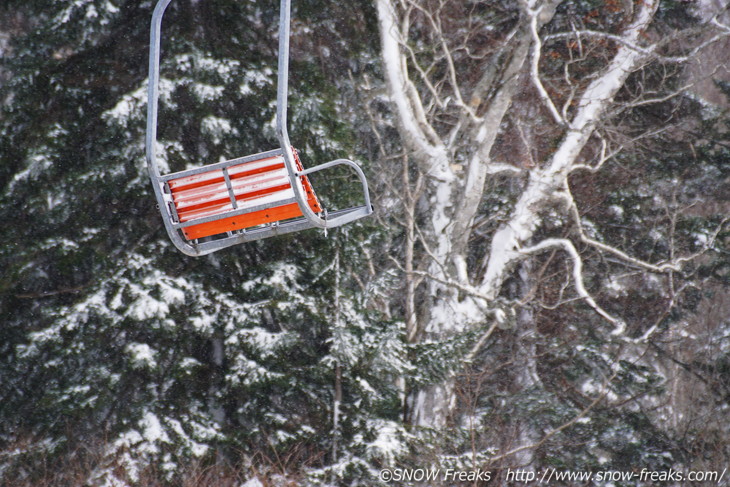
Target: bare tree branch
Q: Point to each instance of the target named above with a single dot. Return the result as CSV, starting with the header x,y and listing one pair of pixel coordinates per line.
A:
x,y
568,247
535,68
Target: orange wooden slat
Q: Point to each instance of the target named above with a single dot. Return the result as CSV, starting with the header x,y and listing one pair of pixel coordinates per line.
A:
x,y
253,183
191,200
237,171
248,220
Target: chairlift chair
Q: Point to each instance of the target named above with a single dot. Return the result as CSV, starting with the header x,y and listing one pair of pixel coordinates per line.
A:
x,y
212,207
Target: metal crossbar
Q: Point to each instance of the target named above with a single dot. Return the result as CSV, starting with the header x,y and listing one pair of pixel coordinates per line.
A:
x,y
221,165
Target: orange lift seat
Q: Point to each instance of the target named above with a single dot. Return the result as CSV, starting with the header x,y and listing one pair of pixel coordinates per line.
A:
x,y
259,185
212,207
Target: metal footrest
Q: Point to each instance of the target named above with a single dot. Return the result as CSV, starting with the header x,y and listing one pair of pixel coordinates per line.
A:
x,y
298,224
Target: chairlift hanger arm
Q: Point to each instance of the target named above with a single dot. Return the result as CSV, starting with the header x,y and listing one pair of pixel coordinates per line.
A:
x,y
151,133
282,104
153,87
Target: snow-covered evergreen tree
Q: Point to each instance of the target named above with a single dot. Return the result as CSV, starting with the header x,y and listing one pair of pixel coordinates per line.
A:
x,y
117,345
544,282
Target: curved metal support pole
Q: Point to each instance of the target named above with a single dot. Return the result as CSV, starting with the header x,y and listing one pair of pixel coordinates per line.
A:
x,y
153,86
283,134
151,135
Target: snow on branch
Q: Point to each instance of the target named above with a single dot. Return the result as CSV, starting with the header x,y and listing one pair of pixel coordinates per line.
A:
x,y
546,184
535,65
570,249
417,132
605,389
626,60
652,50
436,26
675,265
659,269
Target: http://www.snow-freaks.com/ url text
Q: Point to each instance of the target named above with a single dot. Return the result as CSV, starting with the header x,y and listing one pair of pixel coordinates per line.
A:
x,y
551,475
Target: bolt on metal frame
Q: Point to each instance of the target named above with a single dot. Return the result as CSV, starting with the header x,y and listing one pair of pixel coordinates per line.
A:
x,y
160,183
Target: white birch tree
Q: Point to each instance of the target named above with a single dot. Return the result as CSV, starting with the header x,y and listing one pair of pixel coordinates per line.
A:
x,y
478,106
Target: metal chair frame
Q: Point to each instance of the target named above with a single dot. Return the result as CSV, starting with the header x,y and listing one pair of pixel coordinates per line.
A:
x,y
160,182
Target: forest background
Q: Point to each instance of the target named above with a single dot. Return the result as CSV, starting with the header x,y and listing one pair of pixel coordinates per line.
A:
x,y
544,283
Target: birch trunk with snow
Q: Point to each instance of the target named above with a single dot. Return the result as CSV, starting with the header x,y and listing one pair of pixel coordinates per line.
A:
x,y
456,164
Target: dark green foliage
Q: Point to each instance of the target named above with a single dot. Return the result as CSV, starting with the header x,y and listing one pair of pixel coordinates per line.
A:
x,y
130,361
113,339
